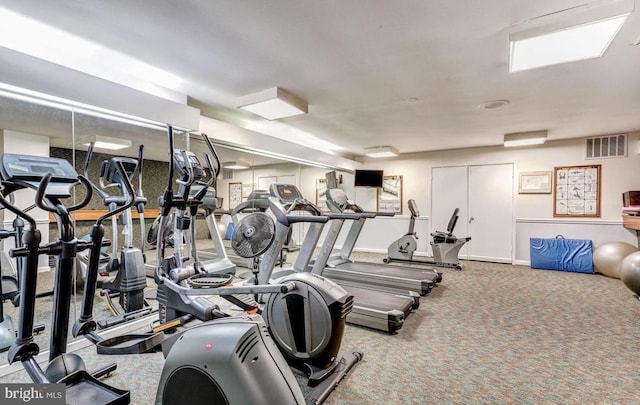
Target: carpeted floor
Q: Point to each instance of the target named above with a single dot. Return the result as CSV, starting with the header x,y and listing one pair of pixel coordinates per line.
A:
x,y
490,334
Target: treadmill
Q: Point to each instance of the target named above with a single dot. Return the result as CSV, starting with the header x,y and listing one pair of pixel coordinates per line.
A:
x,y
258,201
340,267
373,308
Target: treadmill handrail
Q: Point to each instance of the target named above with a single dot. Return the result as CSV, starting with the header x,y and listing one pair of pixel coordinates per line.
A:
x,y
262,205
368,215
343,215
381,213
292,219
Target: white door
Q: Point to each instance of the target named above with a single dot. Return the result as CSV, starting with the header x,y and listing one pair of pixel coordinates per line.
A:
x,y
484,195
491,212
449,190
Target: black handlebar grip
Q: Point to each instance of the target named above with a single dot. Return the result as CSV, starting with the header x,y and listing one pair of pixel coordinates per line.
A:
x,y
40,193
87,198
307,218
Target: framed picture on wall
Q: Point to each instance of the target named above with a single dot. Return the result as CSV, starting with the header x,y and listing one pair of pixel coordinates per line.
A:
x,y
390,195
235,194
577,191
535,183
321,194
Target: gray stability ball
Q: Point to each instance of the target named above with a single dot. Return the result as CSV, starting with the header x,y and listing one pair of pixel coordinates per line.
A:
x,y
630,272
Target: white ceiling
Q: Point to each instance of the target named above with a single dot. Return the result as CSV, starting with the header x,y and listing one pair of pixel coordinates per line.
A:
x,y
407,73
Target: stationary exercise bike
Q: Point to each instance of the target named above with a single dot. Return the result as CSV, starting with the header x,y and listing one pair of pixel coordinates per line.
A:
x,y
445,245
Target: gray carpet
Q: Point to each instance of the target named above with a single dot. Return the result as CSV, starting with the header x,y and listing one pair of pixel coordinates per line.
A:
x,y
490,334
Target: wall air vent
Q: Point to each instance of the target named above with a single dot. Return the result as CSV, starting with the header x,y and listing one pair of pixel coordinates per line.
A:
x,y
609,146
227,174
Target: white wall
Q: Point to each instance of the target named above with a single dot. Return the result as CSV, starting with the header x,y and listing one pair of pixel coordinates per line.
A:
x,y
250,177
533,215
533,212
617,173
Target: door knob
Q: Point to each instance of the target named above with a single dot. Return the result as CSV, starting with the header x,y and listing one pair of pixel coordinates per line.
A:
x,y
471,219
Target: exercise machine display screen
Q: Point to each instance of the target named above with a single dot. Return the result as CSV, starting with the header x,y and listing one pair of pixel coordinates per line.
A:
x,y
192,162
33,168
286,193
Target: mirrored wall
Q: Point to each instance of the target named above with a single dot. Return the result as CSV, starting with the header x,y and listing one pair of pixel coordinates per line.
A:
x,y
44,129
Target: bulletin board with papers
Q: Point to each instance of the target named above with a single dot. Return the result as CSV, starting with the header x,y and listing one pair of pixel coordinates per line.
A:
x,y
577,191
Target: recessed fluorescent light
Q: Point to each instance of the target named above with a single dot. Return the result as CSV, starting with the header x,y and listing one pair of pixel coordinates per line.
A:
x,y
381,151
273,104
235,165
577,33
569,45
43,41
525,138
105,142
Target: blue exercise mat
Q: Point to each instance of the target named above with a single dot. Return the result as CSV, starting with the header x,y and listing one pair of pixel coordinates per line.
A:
x,y
562,254
229,232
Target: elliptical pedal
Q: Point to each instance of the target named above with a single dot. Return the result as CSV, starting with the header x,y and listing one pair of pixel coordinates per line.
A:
x,y
209,280
245,301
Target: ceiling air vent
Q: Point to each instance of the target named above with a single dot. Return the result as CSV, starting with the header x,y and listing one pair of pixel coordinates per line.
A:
x,y
227,174
607,146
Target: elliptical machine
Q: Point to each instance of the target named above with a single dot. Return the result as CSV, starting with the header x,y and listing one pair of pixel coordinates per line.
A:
x,y
120,276
305,313
9,288
52,179
445,245
10,285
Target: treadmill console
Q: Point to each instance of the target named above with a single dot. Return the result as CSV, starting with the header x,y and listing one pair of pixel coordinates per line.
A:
x,y
27,171
259,195
285,193
209,201
339,198
290,196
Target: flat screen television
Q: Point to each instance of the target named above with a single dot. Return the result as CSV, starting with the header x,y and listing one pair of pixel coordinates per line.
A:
x,y
368,178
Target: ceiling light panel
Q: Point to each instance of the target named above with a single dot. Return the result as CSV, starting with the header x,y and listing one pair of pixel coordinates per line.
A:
x,y
525,138
273,109
272,104
106,142
568,45
381,152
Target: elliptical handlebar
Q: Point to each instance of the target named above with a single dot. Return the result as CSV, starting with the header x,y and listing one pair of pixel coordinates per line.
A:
x,y
205,186
214,171
100,189
130,201
41,194
139,192
190,177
